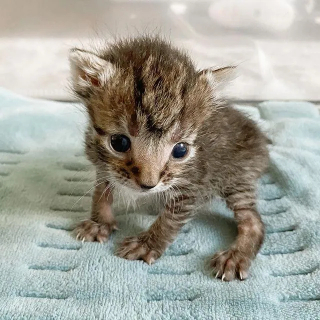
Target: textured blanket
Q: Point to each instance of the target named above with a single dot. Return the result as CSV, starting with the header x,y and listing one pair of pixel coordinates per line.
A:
x,y
45,185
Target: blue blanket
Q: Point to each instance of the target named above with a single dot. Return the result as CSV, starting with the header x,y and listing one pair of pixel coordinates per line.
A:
x,y
46,274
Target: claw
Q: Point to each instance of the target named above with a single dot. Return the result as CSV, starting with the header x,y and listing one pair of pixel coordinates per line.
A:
x,y
78,236
223,276
243,275
83,239
217,275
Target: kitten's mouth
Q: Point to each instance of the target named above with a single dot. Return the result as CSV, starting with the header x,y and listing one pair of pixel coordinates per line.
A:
x,y
145,188
137,189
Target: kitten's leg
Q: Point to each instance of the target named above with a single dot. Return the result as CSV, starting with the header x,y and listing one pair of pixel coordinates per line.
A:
x,y
150,245
235,262
102,222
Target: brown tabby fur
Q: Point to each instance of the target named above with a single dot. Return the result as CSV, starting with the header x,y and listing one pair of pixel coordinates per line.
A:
x,y
152,93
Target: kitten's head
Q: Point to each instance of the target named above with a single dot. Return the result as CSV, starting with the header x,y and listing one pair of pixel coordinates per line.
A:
x,y
146,104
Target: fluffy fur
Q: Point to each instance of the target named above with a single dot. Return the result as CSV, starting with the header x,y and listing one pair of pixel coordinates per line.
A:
x,y
151,92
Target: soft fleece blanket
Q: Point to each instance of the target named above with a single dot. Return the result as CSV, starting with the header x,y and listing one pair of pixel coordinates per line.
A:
x,y
46,274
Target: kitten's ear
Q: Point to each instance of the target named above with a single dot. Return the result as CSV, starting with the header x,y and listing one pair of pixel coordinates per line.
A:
x,y
88,71
218,78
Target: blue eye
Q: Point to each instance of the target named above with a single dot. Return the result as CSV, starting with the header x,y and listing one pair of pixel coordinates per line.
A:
x,y
120,143
180,150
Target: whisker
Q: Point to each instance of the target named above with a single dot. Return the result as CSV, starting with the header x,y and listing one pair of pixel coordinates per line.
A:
x,y
87,193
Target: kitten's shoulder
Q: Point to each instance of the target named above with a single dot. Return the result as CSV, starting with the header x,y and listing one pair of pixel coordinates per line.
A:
x,y
241,128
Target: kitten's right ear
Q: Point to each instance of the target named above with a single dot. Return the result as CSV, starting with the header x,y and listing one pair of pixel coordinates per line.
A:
x,y
218,78
88,71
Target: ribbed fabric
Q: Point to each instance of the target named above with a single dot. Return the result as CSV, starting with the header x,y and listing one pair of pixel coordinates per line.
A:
x,y
46,274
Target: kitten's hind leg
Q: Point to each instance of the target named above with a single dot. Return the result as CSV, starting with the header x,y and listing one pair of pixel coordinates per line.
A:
x,y
235,262
102,222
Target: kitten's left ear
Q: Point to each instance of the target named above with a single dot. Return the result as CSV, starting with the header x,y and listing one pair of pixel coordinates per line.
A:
x,y
218,78
88,71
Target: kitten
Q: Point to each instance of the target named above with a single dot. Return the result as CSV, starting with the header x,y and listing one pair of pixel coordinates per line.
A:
x,y
156,126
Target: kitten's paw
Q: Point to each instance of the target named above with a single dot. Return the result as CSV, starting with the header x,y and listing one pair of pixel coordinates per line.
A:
x,y
89,230
230,264
138,248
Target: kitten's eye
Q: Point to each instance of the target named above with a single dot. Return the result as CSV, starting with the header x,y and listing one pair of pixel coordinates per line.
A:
x,y
120,143
180,150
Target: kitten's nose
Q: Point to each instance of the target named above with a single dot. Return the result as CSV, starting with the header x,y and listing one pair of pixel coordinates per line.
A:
x,y
145,187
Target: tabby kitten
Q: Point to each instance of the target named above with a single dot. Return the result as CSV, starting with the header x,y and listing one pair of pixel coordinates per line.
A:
x,y
157,127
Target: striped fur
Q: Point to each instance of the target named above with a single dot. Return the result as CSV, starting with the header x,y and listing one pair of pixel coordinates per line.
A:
x,y
152,93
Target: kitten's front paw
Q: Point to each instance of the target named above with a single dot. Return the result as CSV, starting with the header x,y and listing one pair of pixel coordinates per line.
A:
x,y
230,264
89,230
139,248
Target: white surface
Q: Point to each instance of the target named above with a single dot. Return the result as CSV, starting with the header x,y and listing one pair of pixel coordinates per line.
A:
x,y
277,55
